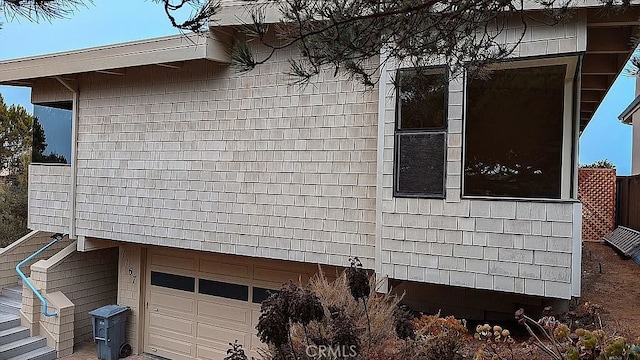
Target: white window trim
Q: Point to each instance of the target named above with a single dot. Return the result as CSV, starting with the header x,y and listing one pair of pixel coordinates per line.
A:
x,y
568,123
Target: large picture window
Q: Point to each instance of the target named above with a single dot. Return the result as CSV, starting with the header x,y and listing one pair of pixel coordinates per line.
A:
x,y
52,133
514,133
420,135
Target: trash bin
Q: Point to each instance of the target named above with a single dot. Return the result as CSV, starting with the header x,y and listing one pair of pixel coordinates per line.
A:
x,y
109,331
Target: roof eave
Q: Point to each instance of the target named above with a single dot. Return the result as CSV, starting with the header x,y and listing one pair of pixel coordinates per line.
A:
x,y
627,114
164,50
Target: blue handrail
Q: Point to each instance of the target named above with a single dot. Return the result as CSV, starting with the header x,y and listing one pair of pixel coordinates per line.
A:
x,y
56,238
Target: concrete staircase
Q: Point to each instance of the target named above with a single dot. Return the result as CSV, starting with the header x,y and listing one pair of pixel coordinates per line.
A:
x,y
15,342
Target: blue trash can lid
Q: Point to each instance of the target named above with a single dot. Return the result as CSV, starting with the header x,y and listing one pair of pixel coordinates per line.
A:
x,y
108,311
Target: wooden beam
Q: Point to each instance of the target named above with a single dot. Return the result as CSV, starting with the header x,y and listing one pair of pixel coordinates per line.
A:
x,y
89,244
170,66
111,72
595,82
608,18
588,107
19,83
600,64
609,40
591,96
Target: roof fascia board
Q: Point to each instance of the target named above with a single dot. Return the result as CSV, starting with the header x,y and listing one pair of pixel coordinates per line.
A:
x,y
627,115
237,12
146,52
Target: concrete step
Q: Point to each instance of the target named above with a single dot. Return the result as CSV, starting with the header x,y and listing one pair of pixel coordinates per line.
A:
x,y
43,353
22,346
9,305
8,321
14,292
13,334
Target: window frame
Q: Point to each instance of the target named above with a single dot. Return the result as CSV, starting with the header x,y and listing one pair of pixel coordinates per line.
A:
x,y
570,124
398,132
235,287
67,105
163,275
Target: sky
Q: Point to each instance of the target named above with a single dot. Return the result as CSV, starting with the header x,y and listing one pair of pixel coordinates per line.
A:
x,y
112,21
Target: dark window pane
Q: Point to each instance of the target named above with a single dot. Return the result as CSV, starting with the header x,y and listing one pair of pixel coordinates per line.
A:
x,y
514,133
224,289
261,294
422,99
172,281
52,133
420,164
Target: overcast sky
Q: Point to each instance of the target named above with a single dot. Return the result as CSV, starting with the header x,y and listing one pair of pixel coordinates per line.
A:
x,y
112,21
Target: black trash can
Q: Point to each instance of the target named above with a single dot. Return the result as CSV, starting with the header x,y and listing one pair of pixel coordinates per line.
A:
x,y
109,331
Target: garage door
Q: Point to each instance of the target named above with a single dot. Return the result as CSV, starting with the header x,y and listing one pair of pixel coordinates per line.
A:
x,y
199,303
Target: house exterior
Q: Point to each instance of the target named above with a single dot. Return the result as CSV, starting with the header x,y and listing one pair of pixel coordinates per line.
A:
x,y
629,116
216,186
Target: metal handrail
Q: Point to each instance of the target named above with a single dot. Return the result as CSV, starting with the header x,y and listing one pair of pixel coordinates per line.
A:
x,y
56,238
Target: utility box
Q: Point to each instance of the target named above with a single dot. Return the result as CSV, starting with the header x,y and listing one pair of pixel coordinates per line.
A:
x,y
109,331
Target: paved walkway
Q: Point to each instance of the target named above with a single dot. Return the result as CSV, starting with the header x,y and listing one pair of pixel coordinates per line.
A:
x,y
87,351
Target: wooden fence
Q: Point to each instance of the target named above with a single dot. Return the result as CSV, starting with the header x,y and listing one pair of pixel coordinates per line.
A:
x,y
597,193
628,201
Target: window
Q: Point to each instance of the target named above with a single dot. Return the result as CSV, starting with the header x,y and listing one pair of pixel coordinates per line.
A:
x,y
52,133
172,281
514,133
261,294
421,121
223,289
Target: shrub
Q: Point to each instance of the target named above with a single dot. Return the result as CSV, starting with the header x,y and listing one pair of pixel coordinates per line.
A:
x,y
443,337
376,337
496,343
347,316
600,164
581,344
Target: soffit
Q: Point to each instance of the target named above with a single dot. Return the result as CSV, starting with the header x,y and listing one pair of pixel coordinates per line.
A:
x,y
610,44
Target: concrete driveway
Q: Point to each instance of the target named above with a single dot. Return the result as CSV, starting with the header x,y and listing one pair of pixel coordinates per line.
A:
x,y
87,351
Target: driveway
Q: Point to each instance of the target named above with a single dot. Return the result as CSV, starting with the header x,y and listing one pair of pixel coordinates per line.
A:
x,y
87,351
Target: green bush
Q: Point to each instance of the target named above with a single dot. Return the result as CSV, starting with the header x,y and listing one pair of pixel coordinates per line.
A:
x,y
13,212
600,164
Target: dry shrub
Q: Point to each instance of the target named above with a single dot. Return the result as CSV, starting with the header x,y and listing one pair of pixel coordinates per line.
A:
x,y
442,337
381,330
383,342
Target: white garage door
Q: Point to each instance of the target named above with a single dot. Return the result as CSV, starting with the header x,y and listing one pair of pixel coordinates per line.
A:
x,y
199,303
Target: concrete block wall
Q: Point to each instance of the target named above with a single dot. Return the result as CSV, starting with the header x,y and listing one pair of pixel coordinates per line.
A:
x,y
525,247
49,187
209,159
